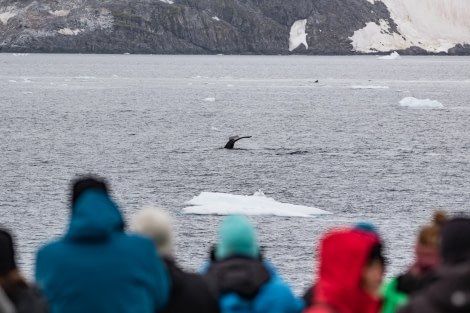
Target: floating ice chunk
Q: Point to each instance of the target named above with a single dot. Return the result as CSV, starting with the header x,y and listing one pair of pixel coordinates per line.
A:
x,y
369,87
412,102
167,1
259,193
392,56
223,204
298,35
84,78
215,18
210,99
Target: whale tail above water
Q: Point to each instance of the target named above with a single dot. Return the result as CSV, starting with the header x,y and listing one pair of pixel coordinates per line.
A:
x,y
232,140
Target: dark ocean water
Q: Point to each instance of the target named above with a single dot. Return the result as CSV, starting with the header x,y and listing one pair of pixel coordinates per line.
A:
x,y
154,127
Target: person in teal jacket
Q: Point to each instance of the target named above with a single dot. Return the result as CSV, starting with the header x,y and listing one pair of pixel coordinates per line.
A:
x,y
243,282
96,266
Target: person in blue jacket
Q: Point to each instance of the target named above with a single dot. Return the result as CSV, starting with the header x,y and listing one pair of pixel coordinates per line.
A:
x,y
96,266
243,281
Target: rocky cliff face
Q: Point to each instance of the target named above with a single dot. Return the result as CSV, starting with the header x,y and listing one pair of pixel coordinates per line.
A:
x,y
190,26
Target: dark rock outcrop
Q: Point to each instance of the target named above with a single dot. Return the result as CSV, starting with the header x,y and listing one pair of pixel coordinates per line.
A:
x,y
186,26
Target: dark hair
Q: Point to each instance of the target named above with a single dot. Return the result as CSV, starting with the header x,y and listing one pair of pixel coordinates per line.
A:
x,y
376,254
455,246
7,253
11,278
84,183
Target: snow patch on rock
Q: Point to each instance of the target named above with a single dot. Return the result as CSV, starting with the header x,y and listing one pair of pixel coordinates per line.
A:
x,y
69,32
297,35
59,12
5,16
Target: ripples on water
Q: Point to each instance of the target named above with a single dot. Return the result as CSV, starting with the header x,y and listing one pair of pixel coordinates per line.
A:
x,y
146,123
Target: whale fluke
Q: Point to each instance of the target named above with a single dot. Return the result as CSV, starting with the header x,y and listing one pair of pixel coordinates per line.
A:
x,y
232,140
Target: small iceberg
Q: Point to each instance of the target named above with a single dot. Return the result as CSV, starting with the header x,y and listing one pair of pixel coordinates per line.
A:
x,y
411,102
369,87
215,203
210,99
393,56
84,78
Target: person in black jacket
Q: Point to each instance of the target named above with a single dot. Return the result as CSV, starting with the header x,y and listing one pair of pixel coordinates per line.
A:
x,y
24,296
189,292
450,292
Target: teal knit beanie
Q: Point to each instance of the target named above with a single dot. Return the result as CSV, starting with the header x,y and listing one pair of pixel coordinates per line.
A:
x,y
236,237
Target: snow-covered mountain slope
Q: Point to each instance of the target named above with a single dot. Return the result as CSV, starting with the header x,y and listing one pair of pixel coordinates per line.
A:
x,y
432,25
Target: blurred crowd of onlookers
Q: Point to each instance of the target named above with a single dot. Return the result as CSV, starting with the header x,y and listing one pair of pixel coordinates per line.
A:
x,y
102,265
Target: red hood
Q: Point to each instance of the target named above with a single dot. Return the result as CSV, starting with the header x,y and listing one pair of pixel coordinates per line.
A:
x,y
343,255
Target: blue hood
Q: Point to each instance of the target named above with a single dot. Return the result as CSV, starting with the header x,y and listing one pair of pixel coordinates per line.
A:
x,y
95,217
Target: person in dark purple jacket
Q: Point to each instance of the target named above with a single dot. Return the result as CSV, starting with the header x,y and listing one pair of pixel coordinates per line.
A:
x,y
24,297
450,292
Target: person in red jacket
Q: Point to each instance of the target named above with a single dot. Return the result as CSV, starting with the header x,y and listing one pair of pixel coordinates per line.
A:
x,y
351,268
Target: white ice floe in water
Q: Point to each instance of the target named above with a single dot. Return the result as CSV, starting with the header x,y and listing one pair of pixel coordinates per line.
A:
x,y
258,204
369,87
297,35
433,25
84,78
215,18
392,56
412,102
209,99
167,1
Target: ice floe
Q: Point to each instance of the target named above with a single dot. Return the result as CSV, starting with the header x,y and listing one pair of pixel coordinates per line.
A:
x,y
216,203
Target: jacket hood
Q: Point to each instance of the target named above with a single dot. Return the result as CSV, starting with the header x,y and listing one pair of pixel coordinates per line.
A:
x,y
240,275
343,255
95,217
